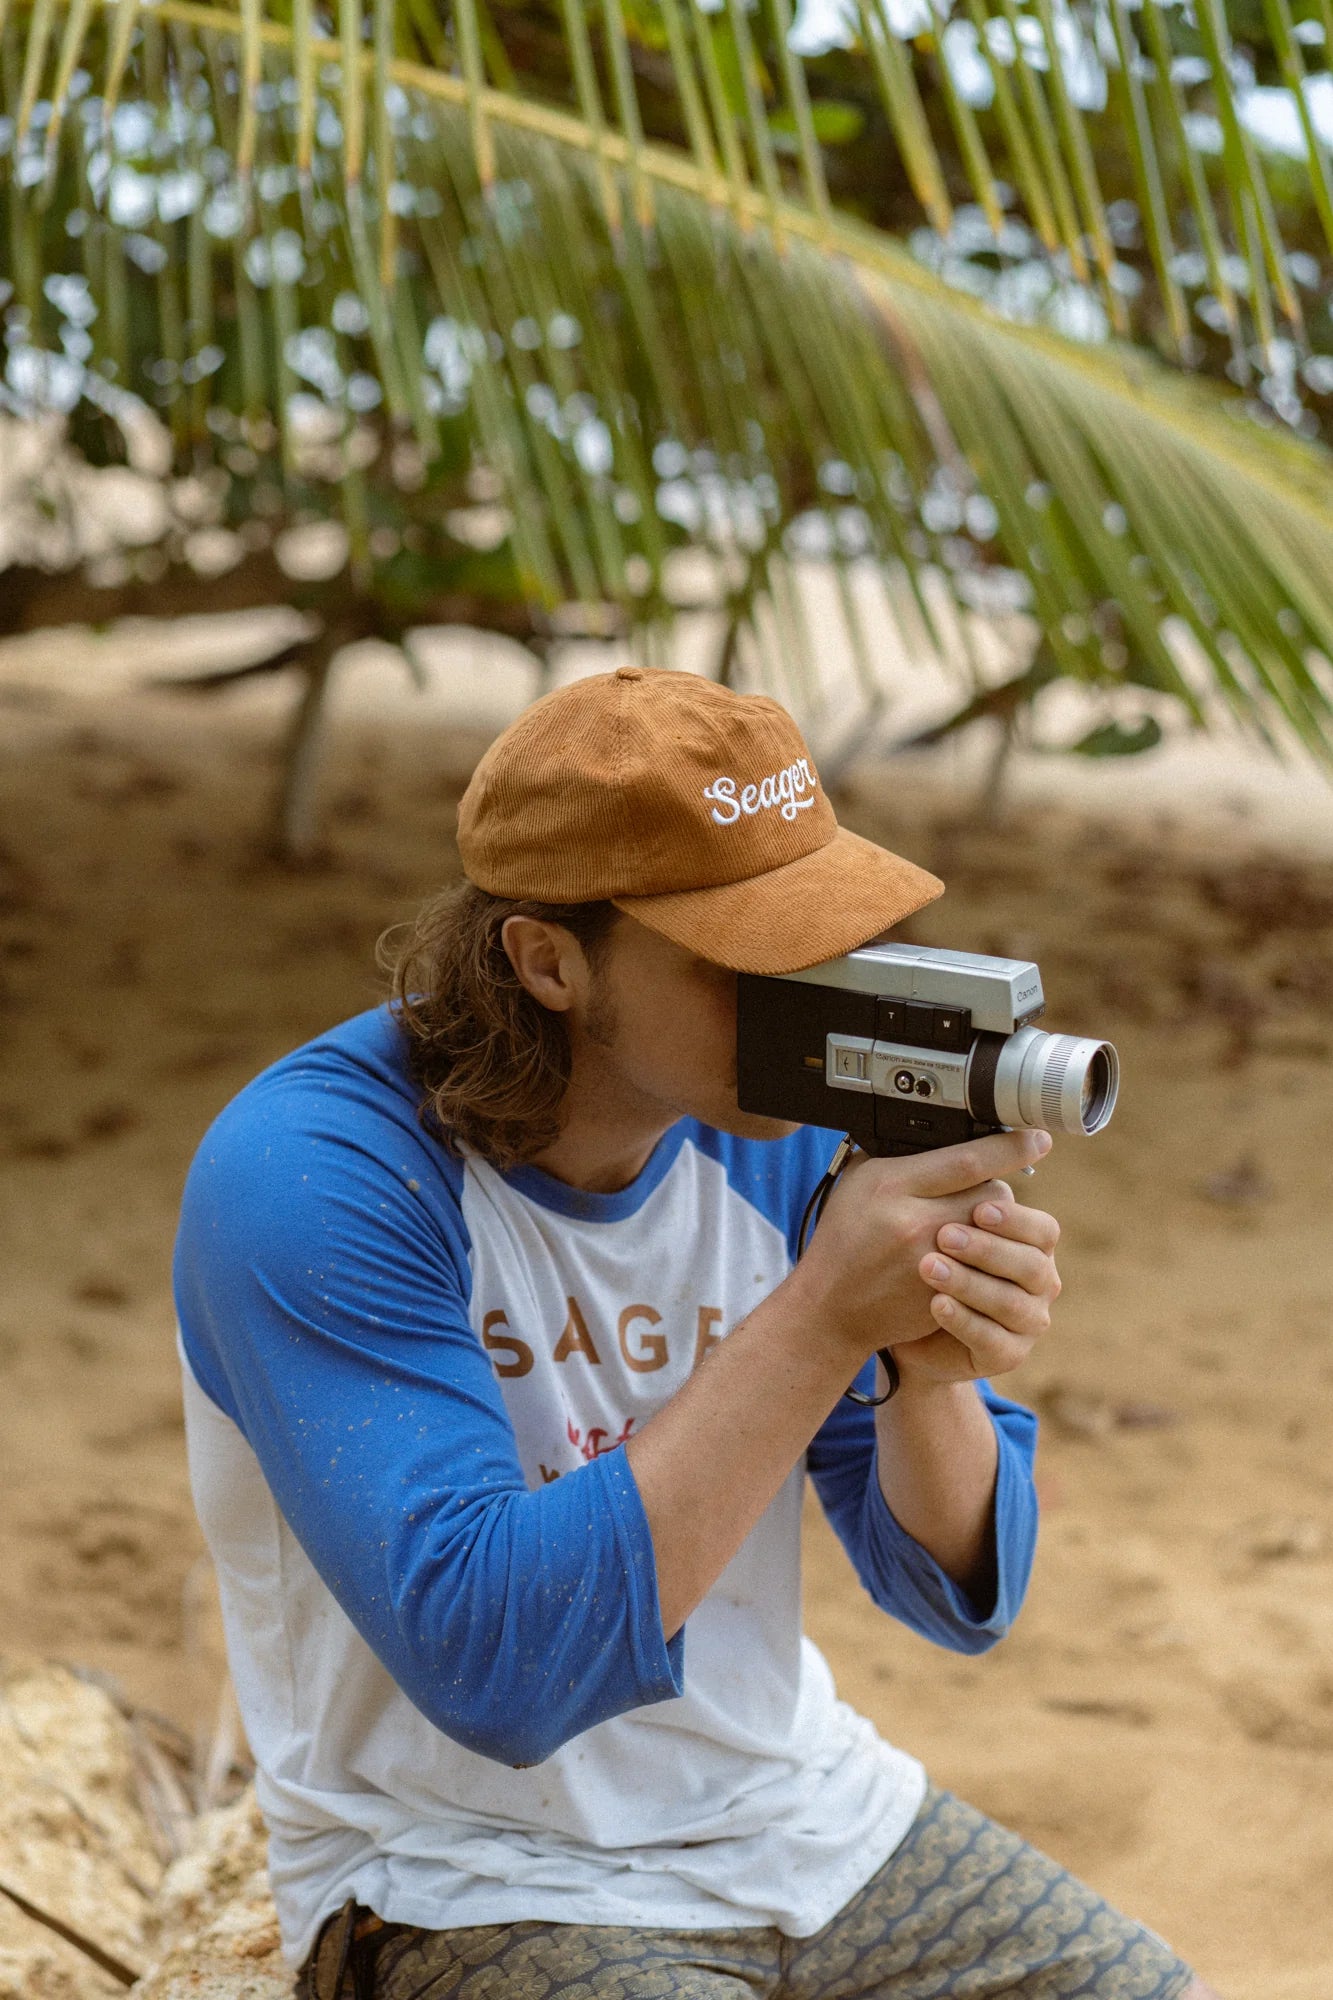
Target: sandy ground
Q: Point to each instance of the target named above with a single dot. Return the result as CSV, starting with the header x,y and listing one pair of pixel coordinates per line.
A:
x,y
1162,1718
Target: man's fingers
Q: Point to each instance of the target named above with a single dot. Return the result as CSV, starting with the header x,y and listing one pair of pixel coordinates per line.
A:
x,y
993,1348
1015,1220
951,1169
1009,1305
1023,1263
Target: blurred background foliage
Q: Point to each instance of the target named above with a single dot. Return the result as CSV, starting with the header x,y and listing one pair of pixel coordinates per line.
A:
x,y
564,318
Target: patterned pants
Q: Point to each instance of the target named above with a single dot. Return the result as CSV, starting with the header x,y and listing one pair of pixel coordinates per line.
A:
x,y
962,1909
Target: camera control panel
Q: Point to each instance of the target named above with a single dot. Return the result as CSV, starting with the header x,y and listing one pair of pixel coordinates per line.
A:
x,y
897,1069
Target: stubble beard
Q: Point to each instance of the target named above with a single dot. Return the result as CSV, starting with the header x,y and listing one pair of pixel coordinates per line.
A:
x,y
601,1024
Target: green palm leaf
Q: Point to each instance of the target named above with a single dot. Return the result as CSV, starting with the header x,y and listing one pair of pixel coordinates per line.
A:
x,y
354,280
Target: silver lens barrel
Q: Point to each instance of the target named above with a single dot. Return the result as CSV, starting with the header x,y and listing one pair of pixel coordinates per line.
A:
x,y
1060,1083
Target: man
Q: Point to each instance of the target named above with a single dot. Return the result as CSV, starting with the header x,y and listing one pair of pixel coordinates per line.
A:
x,y
502,1385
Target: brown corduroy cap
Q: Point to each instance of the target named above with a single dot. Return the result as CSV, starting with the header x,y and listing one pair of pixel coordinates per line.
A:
x,y
695,810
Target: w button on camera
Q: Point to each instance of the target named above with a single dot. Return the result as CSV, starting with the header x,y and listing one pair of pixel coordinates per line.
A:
x,y
951,1028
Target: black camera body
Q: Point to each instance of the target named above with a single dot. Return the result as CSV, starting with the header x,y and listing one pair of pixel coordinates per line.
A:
x,y
906,1048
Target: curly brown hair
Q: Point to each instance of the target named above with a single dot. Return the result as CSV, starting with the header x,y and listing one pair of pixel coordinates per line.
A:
x,y
491,1062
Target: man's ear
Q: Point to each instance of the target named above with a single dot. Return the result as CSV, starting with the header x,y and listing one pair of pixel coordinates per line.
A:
x,y
547,961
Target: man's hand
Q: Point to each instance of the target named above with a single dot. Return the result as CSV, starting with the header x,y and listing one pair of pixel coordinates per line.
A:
x,y
886,1269
994,1286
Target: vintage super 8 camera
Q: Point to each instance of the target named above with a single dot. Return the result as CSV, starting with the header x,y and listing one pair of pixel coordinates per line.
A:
x,y
906,1048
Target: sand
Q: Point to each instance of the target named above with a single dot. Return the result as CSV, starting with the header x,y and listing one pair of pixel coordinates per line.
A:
x,y
1162,1717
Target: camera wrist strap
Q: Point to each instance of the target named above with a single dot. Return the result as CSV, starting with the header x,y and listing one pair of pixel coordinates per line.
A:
x,y
814,1208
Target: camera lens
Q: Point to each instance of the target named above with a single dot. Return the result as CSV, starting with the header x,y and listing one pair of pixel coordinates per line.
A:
x,y
1101,1082
1063,1083
904,1081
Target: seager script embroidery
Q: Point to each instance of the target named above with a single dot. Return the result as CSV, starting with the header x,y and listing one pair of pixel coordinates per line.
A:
x,y
782,789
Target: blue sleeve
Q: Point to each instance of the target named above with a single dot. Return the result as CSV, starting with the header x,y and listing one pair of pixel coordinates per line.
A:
x,y
897,1572
322,1283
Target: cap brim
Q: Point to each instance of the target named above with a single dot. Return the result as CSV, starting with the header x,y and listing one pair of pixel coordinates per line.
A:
x,y
788,918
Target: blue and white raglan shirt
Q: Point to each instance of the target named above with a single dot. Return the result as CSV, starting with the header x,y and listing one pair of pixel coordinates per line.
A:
x,y
407,1379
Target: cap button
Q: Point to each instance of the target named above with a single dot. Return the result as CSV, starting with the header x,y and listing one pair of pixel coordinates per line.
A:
x,y
629,673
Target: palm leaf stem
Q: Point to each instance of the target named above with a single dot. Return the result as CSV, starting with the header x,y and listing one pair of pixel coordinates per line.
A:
x,y
1019,147
1148,174
252,62
590,107
122,36
1048,152
724,125
627,108
352,71
971,145
1246,175
474,78
687,90
303,66
906,113
76,27
798,102
503,435
1189,162
383,22
1083,167
1292,65
34,61
1261,298
756,119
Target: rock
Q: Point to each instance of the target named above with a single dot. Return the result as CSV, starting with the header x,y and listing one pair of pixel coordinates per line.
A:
x,y
213,1926
74,1840
1076,1413
81,1843
1087,1413
1103,1710
1278,1540
1296,1719
1136,1415
1243,1185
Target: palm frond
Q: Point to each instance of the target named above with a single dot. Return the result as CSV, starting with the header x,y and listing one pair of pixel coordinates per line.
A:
x,y
309,242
